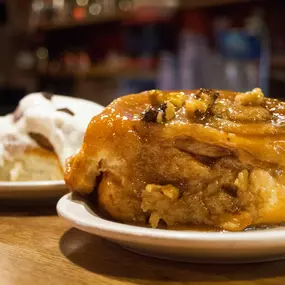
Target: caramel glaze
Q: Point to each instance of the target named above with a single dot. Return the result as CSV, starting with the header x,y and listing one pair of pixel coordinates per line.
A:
x,y
201,156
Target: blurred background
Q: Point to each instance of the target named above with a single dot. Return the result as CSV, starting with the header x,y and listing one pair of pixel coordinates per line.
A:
x,y
102,49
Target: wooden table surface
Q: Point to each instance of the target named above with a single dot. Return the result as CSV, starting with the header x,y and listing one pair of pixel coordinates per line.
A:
x,y
37,247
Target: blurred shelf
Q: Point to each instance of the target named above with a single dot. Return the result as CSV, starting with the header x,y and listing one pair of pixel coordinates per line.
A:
x,y
59,25
211,3
98,73
119,16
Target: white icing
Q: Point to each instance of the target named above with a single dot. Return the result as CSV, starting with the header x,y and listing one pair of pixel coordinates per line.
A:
x,y
11,139
40,115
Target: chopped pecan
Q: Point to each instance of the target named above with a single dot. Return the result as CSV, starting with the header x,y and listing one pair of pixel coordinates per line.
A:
x,y
158,97
201,103
176,98
253,98
169,111
154,219
159,114
169,190
194,105
242,180
150,114
159,117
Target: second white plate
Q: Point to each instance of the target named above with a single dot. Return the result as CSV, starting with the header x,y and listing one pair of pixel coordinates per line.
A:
x,y
33,189
190,246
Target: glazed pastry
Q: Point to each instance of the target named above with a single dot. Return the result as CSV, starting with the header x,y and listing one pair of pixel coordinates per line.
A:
x,y
38,137
202,157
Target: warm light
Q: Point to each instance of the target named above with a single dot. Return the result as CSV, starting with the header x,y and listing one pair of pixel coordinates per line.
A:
x,y
37,6
171,3
82,2
42,53
125,5
58,3
79,13
95,9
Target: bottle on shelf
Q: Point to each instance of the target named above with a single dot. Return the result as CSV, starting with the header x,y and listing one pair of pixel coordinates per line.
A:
x,y
245,53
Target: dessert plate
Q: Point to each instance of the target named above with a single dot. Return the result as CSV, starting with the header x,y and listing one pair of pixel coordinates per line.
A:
x,y
190,246
33,189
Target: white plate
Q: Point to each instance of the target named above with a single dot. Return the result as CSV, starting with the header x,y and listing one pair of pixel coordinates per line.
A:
x,y
33,189
190,246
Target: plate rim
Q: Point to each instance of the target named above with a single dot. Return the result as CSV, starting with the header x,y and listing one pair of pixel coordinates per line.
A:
x,y
40,183
121,229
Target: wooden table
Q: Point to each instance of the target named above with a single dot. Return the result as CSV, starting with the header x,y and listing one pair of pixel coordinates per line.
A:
x,y
37,247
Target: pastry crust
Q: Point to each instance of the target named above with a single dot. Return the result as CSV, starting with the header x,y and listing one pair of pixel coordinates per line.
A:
x,y
32,164
22,159
218,160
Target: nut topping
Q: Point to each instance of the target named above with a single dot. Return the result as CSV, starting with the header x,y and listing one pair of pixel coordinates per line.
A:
x,y
156,97
169,111
159,114
163,106
154,219
252,98
203,100
194,105
242,180
168,190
